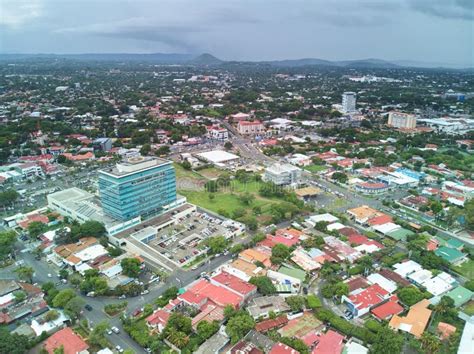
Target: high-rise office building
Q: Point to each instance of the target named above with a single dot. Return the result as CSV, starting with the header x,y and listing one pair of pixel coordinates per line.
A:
x,y
137,186
349,102
401,120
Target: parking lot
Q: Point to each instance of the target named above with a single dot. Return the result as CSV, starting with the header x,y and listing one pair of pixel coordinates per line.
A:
x,y
183,242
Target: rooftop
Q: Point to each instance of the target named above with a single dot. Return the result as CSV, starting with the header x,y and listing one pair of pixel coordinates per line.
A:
x,y
134,164
70,341
415,321
234,283
216,294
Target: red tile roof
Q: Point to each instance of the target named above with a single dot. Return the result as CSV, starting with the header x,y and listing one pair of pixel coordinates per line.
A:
x,y
330,342
371,296
380,220
66,338
217,294
158,317
280,348
236,284
357,283
267,325
387,310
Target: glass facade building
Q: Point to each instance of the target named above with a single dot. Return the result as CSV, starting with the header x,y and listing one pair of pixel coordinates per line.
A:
x,y
138,186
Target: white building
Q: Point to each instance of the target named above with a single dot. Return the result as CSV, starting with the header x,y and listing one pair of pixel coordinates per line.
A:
x,y
401,120
348,102
282,174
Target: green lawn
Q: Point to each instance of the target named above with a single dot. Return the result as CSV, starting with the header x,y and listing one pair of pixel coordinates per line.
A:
x,y
469,308
183,173
222,201
315,168
466,269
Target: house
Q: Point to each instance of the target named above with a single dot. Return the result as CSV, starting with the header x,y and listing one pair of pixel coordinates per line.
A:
x,y
262,306
388,309
40,325
267,325
217,294
68,340
329,342
360,303
445,330
363,213
415,321
244,270
244,347
234,284
280,348
251,255
158,320
460,295
467,338
214,345
452,255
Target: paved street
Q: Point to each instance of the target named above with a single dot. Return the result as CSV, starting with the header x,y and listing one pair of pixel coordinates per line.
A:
x,y
179,278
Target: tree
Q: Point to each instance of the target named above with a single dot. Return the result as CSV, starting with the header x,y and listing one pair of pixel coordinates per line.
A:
x,y
313,302
469,285
178,322
469,213
217,244
74,307
430,342
340,177
263,284
131,267
59,350
97,336
186,165
162,150
410,295
295,302
206,330
228,145
7,240
145,149
12,343
63,297
247,198
239,325
8,197
387,342
63,273
178,338
211,196
19,296
211,186
36,228
51,315
25,273
92,228
280,253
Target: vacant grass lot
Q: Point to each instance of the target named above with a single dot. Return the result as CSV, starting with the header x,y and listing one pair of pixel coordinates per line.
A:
x,y
315,168
466,269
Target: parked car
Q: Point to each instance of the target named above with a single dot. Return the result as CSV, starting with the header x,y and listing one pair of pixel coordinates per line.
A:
x,y
119,349
88,307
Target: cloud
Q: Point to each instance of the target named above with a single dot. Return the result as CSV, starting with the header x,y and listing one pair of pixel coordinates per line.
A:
x,y
449,9
16,13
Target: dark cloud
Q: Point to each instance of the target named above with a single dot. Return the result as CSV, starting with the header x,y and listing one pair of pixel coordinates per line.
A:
x,y
244,29
449,9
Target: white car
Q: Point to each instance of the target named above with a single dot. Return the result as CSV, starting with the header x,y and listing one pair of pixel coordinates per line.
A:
x,y
50,275
119,349
115,330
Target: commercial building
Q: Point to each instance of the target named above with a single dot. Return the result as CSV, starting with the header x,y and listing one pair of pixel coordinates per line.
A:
x,y
217,157
282,174
138,187
401,120
250,128
348,102
82,206
102,144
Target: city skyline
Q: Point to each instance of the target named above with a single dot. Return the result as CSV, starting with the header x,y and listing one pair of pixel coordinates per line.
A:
x,y
413,30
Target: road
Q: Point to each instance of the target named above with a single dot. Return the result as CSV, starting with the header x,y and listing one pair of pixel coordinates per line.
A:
x,y
179,278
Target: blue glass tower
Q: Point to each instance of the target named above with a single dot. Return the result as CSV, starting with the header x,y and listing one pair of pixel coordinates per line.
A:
x,y
137,186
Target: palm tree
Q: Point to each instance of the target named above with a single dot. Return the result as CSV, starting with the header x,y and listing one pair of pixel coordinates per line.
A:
x,y
430,342
178,338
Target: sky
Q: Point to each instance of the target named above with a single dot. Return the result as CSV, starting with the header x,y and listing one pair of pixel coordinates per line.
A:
x,y
436,31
